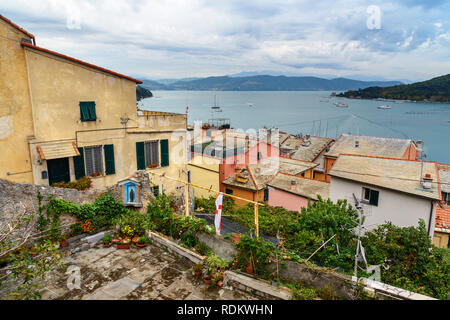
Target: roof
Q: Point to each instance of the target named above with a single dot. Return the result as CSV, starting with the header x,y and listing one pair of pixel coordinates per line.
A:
x,y
443,217
444,177
213,150
56,150
369,146
304,187
293,166
395,174
16,26
31,46
291,143
258,175
309,151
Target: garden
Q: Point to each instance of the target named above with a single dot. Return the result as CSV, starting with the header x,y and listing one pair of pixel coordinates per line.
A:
x,y
407,256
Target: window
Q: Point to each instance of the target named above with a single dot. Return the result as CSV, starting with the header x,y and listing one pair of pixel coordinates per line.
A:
x,y
266,194
446,198
87,111
228,191
93,160
149,154
370,196
260,156
155,191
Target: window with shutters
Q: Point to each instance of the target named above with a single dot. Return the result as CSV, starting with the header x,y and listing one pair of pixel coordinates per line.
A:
x,y
370,196
151,149
87,111
93,157
446,198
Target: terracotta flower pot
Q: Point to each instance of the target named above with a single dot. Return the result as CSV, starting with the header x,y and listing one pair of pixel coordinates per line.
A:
x,y
236,237
107,245
135,240
123,246
63,243
249,270
207,281
198,274
219,283
140,245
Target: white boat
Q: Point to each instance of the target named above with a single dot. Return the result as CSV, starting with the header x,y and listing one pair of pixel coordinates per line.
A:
x,y
250,104
341,104
384,107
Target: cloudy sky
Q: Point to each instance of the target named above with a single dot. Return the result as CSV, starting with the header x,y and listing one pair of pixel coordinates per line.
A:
x,y
407,39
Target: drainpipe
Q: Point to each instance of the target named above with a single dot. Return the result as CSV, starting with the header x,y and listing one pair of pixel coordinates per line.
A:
x,y
431,216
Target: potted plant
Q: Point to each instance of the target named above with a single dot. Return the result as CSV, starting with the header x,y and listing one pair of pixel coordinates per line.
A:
x,y
141,242
107,241
218,279
62,242
207,277
124,243
198,269
236,237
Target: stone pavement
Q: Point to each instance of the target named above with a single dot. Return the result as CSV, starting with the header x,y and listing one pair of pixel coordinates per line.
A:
x,y
135,274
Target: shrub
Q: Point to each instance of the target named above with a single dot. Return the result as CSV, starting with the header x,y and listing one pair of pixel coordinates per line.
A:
x,y
107,239
83,183
138,222
254,252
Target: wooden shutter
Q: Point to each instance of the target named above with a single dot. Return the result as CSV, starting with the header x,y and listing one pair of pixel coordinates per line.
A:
x,y
140,155
89,155
84,111
164,153
92,114
374,195
78,163
109,159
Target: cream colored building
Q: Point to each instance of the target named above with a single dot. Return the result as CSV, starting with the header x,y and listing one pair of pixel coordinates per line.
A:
x,y
62,118
204,172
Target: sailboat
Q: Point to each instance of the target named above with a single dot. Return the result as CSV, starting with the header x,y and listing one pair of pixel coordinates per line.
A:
x,y
216,108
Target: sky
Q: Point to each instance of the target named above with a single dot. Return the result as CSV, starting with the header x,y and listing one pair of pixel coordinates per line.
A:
x,y
406,40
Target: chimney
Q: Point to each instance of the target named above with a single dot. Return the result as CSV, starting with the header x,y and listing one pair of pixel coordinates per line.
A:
x,y
427,180
293,185
356,143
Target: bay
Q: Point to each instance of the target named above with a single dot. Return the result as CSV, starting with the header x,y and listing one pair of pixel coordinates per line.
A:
x,y
308,112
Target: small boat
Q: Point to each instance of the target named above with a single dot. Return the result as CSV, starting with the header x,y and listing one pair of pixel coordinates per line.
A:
x,y
325,100
384,107
341,104
250,104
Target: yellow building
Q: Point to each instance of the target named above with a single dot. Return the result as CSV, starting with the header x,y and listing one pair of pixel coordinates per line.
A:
x,y
62,118
204,172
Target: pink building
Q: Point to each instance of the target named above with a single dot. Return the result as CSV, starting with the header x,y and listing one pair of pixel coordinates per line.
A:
x,y
293,192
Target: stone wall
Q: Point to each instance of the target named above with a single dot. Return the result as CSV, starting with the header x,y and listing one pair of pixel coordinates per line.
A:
x,y
16,198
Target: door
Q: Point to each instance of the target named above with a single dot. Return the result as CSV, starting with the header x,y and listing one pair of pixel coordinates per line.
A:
x,y
58,170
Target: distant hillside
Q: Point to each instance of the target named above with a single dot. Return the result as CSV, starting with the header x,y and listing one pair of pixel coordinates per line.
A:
x,y
142,93
434,90
268,83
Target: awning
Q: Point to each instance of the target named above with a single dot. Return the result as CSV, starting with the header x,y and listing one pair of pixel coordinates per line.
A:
x,y
57,150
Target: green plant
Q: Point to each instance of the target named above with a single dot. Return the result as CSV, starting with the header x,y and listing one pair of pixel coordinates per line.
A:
x,y
214,262
133,221
83,183
202,249
254,252
107,239
197,268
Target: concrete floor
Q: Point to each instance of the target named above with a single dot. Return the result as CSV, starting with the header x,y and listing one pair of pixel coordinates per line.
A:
x,y
135,274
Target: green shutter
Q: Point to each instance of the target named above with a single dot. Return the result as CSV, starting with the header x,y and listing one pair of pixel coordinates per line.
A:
x,y
140,155
374,197
84,111
92,114
164,153
78,163
109,159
